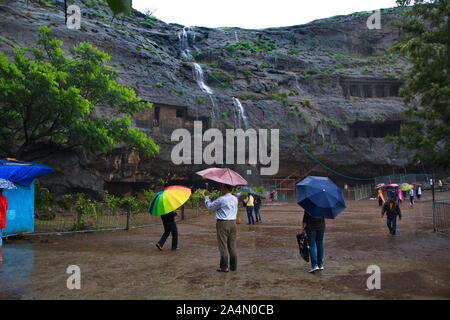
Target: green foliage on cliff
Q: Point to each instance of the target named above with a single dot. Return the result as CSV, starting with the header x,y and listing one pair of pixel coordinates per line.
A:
x,y
255,46
120,6
48,98
427,89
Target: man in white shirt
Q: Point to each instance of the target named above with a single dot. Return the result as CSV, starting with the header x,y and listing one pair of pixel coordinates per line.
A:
x,y
226,208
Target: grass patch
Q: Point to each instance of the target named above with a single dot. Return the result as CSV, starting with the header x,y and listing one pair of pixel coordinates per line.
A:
x,y
255,46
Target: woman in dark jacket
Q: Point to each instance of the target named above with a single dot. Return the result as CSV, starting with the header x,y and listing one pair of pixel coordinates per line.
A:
x,y
315,229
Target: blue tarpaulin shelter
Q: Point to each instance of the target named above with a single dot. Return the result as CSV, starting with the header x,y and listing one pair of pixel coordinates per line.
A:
x,y
20,214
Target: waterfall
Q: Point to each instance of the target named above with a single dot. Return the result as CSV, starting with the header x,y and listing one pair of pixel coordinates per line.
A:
x,y
236,36
240,110
296,82
198,77
186,36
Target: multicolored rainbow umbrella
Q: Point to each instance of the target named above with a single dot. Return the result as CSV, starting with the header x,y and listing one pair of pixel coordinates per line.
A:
x,y
168,200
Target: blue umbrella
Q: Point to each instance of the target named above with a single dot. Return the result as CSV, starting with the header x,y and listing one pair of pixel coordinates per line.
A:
x,y
251,191
320,197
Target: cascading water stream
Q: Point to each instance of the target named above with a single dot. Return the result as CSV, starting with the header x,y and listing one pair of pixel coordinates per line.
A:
x,y
239,109
198,77
183,37
187,42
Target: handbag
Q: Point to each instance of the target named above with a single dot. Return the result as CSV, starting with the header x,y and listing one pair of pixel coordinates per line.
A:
x,y
303,245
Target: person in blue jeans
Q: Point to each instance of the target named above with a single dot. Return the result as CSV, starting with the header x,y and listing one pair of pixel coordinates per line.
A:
x,y
249,203
315,230
257,206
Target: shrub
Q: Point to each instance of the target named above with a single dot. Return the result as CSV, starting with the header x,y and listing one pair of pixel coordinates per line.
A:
x,y
133,205
85,208
200,100
44,202
256,46
112,202
330,122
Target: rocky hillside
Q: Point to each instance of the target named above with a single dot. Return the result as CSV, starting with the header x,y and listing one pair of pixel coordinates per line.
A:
x,y
330,86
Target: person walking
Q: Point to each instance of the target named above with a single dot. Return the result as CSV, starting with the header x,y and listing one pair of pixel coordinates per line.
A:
x,y
226,208
170,227
419,191
315,230
411,198
249,204
441,184
3,209
380,197
400,195
257,204
392,210
272,195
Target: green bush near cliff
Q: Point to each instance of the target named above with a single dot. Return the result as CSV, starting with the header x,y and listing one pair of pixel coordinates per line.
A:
x,y
48,99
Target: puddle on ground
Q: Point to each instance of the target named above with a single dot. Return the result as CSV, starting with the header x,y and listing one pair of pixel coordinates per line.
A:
x,y
17,267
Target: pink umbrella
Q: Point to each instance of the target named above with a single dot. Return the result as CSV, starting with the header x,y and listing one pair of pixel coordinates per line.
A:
x,y
392,185
223,175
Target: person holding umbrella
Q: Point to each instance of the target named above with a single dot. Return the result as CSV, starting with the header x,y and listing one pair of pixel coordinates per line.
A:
x,y
170,227
226,208
321,199
249,205
315,230
164,204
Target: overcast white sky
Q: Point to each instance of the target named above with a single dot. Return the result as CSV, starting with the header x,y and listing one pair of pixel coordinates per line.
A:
x,y
253,14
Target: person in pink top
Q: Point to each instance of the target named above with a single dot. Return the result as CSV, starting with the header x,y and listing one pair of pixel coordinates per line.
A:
x,y
400,195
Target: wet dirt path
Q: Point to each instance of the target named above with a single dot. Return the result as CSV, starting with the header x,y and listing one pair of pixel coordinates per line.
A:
x,y
415,264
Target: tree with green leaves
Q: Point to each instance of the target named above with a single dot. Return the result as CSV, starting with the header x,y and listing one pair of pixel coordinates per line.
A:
x,y
48,99
426,91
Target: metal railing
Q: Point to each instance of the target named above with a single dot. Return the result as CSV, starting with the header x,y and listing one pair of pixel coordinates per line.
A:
x,y
408,178
360,192
106,221
441,216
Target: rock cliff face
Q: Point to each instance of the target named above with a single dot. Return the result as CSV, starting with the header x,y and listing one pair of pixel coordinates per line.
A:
x,y
330,86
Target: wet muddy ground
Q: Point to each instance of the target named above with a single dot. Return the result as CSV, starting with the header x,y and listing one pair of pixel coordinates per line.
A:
x,y
415,264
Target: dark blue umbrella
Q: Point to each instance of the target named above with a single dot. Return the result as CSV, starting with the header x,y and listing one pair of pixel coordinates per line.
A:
x,y
320,197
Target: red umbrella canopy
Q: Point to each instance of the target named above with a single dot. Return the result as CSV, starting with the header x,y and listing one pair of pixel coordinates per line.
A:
x,y
223,175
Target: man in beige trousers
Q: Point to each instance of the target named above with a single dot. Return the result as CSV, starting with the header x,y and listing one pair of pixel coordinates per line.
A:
x,y
226,208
